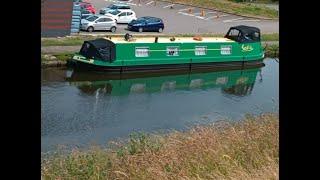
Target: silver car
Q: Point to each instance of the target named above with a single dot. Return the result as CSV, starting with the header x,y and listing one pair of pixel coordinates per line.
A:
x,y
98,22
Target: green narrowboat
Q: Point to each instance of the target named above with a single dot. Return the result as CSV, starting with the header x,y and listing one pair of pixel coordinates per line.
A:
x,y
240,47
236,82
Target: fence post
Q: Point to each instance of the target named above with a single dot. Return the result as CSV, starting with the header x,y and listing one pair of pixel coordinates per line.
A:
x,y
202,13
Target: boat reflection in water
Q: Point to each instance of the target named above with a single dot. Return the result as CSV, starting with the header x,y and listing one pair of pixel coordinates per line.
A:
x,y
236,82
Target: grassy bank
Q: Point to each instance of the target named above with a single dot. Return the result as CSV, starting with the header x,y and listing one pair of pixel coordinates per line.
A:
x,y
239,8
55,60
243,150
78,40
272,51
57,56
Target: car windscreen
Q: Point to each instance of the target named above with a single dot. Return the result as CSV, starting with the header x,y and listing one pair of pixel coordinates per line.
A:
x,y
124,7
92,18
115,12
112,6
85,12
140,20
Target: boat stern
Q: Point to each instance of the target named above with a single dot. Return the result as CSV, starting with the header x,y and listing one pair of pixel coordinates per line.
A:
x,y
79,58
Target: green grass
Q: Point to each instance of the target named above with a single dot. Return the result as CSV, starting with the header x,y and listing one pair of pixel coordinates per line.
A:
x,y
64,41
240,8
272,51
270,37
76,41
226,150
63,56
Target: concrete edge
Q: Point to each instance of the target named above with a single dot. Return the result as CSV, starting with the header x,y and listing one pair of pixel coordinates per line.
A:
x,y
54,63
214,9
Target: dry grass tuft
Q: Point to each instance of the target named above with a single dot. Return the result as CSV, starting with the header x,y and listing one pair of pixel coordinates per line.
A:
x,y
226,150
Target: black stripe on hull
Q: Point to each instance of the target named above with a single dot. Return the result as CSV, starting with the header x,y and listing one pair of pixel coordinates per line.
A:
x,y
171,67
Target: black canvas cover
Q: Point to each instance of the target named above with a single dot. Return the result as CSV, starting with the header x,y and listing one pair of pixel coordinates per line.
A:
x,y
101,49
246,29
244,34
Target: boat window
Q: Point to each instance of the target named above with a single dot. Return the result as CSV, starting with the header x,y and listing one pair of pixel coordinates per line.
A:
x,y
142,52
256,36
249,37
234,34
173,51
226,49
200,50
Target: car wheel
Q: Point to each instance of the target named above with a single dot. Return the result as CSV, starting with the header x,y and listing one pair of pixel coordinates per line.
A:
x,y
90,29
113,29
140,30
160,30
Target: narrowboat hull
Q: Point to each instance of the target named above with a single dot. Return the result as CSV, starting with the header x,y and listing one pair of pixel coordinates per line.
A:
x,y
170,67
166,54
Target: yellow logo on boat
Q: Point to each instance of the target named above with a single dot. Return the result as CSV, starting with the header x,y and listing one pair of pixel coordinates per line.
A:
x,y
246,48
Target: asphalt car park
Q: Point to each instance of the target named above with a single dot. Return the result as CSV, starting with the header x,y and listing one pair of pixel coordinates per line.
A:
x,y
181,19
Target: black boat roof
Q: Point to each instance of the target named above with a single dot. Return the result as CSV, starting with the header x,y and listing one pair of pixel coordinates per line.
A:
x,y
98,43
246,29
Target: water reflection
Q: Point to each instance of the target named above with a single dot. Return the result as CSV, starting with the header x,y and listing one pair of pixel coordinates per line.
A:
x,y
236,82
80,108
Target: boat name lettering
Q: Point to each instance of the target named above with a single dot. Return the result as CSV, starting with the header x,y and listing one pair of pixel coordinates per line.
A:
x,y
246,48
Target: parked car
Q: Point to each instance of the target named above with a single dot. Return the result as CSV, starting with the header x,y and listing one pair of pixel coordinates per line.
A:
x,y
111,7
85,13
146,24
81,1
98,22
124,16
88,7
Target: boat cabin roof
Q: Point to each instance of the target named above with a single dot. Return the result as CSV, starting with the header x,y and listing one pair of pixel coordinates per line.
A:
x,y
118,40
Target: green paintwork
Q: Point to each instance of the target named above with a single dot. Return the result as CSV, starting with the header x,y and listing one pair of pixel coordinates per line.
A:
x,y
237,82
125,54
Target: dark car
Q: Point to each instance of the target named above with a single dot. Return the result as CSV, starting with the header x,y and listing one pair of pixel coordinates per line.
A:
x,y
114,7
146,24
85,13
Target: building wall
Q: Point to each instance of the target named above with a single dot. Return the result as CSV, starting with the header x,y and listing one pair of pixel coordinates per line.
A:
x,y
56,17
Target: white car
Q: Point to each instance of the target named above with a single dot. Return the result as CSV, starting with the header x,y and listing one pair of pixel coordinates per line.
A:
x,y
98,22
122,16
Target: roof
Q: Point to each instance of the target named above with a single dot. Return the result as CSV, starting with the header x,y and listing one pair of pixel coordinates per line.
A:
x,y
98,43
246,29
120,4
117,40
148,17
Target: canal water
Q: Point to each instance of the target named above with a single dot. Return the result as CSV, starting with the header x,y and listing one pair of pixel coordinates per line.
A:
x,y
83,109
